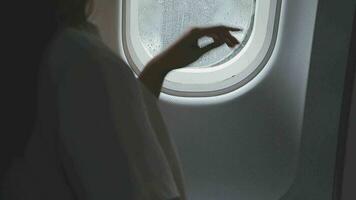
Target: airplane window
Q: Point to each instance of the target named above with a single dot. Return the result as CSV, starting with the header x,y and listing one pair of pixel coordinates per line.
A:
x,y
161,22
147,27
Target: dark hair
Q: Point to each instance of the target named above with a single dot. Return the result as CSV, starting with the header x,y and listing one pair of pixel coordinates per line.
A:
x,y
72,12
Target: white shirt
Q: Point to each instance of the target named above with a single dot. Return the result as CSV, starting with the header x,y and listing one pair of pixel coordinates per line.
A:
x,y
99,132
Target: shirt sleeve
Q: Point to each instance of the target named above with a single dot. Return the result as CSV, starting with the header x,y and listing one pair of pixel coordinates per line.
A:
x,y
156,118
101,115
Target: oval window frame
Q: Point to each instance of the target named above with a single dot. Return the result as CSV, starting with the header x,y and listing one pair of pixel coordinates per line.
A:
x,y
217,80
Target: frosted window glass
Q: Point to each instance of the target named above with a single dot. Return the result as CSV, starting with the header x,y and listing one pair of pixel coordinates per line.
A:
x,y
161,22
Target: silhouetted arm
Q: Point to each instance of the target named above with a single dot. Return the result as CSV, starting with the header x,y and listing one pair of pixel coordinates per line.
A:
x,y
153,75
184,52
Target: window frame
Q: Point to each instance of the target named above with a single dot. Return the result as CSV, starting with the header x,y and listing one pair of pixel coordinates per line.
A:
x,y
214,81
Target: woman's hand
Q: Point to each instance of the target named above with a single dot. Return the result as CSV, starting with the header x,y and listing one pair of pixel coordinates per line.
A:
x,y
184,52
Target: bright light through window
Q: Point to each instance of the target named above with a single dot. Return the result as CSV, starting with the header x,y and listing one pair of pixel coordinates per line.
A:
x,y
161,22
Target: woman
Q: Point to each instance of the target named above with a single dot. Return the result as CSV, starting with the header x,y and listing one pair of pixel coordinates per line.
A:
x,y
98,132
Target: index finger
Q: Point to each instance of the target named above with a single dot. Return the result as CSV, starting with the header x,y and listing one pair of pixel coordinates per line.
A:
x,y
216,29
229,28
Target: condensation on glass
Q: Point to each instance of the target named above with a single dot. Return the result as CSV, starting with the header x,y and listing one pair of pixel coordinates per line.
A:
x,y
161,22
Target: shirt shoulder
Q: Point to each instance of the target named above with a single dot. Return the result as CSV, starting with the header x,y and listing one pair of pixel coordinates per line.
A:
x,y
72,48
70,43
